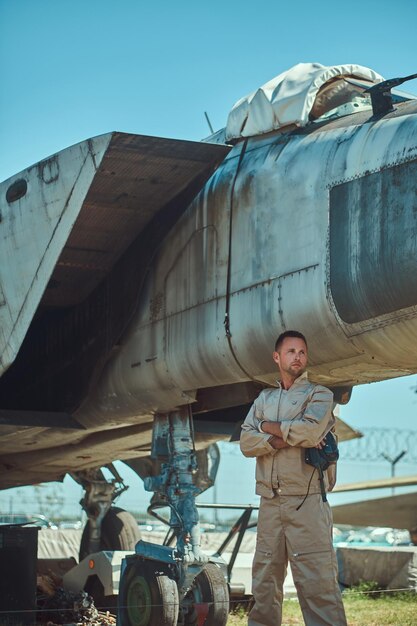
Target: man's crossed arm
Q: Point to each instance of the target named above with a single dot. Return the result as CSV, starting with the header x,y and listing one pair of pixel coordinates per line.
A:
x,y
274,429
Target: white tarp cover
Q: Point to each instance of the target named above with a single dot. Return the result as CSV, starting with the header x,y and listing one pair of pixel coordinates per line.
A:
x,y
287,99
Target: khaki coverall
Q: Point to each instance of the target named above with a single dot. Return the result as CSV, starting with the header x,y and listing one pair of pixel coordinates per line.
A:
x,y
304,536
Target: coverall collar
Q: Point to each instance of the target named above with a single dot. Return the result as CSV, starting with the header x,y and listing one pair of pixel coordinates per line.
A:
x,y
301,379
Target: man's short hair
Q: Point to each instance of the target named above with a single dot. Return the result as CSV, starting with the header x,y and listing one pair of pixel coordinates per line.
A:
x,y
288,333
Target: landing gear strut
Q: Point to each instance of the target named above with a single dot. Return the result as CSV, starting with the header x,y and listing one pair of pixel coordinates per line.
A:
x,y
108,527
165,586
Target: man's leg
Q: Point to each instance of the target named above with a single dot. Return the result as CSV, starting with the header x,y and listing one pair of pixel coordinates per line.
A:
x,y
269,566
313,561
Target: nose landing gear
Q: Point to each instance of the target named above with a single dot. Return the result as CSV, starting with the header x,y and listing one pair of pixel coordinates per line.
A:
x,y
208,598
165,586
149,595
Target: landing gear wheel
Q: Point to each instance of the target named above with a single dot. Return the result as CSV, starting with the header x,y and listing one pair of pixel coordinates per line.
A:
x,y
119,531
148,596
209,598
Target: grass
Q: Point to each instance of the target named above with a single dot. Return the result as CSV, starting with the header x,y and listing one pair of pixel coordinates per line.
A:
x,y
362,609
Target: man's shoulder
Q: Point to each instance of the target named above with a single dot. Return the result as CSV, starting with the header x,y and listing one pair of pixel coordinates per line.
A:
x,y
322,390
268,394
312,387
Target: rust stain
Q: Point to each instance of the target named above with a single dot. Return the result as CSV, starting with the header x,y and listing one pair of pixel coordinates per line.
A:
x,y
156,306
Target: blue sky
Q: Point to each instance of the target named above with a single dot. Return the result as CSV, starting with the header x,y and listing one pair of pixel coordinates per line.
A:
x,y
73,69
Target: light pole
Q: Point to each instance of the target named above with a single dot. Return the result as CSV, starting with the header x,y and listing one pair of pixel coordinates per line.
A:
x,y
393,463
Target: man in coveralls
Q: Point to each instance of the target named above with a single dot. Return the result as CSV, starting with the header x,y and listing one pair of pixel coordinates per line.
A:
x,y
292,526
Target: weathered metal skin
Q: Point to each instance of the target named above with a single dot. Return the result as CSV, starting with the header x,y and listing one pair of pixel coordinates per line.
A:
x,y
263,219
313,229
85,298
32,239
373,244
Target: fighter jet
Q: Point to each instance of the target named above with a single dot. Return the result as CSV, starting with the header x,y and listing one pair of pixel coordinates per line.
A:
x,y
143,281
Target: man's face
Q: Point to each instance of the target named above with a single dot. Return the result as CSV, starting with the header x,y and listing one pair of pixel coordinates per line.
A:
x,y
292,357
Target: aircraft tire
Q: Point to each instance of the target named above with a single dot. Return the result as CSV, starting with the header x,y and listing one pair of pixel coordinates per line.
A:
x,y
210,598
148,595
119,531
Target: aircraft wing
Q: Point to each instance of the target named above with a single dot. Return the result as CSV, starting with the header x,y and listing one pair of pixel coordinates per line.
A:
x,y
397,511
383,483
138,177
79,211
345,432
79,230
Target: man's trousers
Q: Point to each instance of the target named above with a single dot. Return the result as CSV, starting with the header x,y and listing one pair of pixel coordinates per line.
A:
x,y
304,538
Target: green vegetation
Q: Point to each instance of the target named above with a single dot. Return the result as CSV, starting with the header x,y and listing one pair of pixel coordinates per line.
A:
x,y
365,605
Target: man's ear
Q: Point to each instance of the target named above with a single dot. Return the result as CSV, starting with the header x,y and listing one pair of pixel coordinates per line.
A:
x,y
275,356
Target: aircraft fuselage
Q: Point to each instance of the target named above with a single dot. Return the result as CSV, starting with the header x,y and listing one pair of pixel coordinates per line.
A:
x,y
314,229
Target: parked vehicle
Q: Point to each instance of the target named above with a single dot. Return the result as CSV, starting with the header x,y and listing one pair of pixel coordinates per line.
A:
x,y
27,519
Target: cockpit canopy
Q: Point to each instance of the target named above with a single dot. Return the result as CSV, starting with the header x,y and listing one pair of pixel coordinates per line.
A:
x,y
304,93
341,96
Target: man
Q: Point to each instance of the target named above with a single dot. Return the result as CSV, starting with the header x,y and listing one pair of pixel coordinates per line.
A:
x,y
294,523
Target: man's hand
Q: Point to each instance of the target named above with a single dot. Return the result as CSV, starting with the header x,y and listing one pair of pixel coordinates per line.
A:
x,y
278,443
272,428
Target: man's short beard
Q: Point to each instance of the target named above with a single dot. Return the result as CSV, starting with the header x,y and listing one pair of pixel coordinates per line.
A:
x,y
297,373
